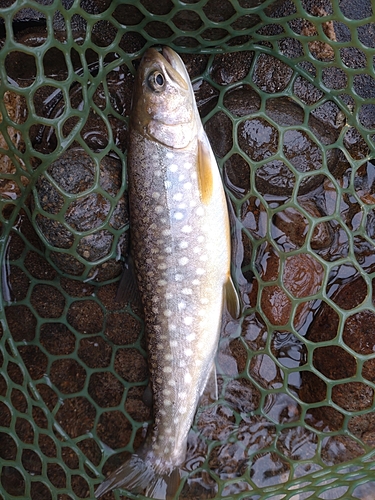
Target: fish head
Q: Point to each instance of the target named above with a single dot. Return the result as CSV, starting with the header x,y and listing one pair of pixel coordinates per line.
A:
x,y
163,107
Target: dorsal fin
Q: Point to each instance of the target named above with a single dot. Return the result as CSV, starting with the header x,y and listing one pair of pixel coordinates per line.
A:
x,y
127,288
206,162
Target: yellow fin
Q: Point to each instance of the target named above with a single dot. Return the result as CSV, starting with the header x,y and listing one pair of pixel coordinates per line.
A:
x,y
231,298
205,165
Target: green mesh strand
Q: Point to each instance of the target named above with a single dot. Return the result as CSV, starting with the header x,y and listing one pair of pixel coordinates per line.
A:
x,y
73,372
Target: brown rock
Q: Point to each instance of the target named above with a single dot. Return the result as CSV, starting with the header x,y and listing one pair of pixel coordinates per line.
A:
x,y
302,276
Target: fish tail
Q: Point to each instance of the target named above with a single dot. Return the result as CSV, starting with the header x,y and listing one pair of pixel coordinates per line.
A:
x,y
138,475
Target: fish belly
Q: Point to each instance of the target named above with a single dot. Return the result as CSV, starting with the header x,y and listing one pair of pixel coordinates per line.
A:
x,y
181,254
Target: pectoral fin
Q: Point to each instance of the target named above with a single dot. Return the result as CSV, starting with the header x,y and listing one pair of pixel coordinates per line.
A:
x,y
231,298
204,168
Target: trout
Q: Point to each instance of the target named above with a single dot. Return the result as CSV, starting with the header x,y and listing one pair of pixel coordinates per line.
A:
x,y
180,246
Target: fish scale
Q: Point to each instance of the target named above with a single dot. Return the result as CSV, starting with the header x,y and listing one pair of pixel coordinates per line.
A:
x,y
180,245
174,262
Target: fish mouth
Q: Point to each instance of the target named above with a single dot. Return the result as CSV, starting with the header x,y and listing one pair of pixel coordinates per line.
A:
x,y
176,62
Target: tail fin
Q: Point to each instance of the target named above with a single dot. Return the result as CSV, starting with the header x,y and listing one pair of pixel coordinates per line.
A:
x,y
138,475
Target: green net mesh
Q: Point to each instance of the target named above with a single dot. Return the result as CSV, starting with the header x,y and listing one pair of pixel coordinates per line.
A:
x,y
285,90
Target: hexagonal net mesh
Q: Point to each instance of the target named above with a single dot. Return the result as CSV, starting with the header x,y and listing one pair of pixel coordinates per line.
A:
x,y
285,90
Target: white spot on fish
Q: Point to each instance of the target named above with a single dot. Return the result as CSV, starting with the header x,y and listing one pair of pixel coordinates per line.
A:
x,y
169,155
167,184
196,282
157,173
173,343
187,291
162,266
162,282
200,239
203,258
200,211
182,206
187,165
168,250
193,203
181,177
181,305
190,337
200,271
159,209
167,369
168,357
166,232
187,229
167,313
178,277
155,195
172,328
188,320
197,249
187,185
171,382
183,244
168,295
176,420
188,378
178,216
167,402
188,352
173,167
178,196
166,392
204,300
183,261
182,410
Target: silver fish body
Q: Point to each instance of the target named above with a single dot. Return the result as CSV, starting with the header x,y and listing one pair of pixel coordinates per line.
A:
x,y
181,250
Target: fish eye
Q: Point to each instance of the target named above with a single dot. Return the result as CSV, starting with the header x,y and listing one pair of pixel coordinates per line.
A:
x,y
156,81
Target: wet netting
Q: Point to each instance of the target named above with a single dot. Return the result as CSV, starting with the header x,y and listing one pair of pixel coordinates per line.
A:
x,y
286,93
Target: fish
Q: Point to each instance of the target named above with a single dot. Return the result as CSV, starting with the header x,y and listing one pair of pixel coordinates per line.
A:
x,y
181,252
